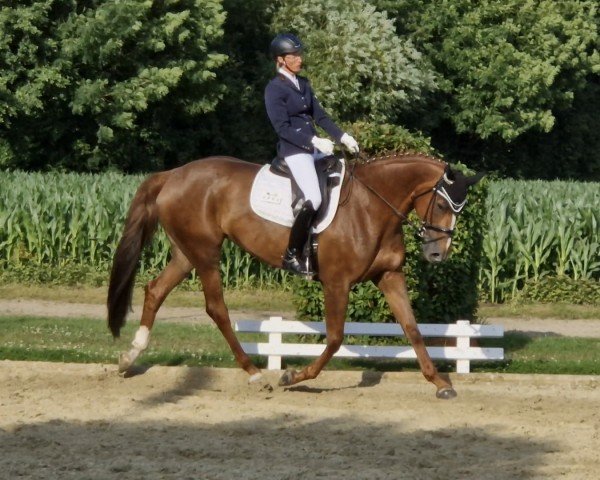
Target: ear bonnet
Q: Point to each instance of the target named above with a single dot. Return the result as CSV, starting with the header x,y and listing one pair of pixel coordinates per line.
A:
x,y
453,187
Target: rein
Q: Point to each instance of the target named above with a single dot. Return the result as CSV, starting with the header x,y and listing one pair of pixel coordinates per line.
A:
x,y
425,225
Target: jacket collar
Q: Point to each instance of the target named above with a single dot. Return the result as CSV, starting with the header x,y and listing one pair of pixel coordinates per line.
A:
x,y
290,84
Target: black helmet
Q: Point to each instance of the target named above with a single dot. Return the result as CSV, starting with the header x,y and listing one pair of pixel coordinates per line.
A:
x,y
284,44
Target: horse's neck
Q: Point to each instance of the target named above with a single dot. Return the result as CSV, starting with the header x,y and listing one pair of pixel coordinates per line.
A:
x,y
398,181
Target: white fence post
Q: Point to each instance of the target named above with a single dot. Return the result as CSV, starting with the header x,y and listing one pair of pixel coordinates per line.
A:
x,y
463,343
274,361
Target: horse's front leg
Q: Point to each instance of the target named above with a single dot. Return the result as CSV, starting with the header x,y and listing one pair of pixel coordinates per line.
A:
x,y
336,303
393,286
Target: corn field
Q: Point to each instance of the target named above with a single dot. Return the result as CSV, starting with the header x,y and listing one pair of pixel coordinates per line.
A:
x,y
534,229
538,229
55,219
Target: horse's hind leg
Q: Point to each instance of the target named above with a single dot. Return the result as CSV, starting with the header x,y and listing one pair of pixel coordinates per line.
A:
x,y
215,307
156,292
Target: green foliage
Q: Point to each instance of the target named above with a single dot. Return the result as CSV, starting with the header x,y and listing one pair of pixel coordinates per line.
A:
x,y
359,67
518,83
86,85
71,223
70,274
378,139
584,291
570,151
95,85
507,65
539,229
60,228
239,126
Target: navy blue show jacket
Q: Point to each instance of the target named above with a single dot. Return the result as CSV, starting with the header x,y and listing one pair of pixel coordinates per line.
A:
x,y
293,113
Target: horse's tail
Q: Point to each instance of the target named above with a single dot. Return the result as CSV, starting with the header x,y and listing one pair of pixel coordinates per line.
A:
x,y
141,223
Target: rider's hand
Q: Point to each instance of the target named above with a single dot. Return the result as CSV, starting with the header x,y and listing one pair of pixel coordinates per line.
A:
x,y
350,143
323,144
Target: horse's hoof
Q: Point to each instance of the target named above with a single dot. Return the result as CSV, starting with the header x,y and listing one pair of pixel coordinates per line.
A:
x,y
257,377
287,378
446,393
125,363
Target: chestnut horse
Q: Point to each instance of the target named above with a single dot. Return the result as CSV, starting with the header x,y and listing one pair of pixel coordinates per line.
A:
x,y
203,202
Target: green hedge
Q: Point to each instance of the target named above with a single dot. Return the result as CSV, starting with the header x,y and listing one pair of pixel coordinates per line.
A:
x,y
583,291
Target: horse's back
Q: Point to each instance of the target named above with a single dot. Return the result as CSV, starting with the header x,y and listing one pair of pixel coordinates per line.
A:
x,y
210,173
218,167
209,190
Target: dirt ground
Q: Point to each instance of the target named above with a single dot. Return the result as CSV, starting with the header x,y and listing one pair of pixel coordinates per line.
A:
x,y
74,421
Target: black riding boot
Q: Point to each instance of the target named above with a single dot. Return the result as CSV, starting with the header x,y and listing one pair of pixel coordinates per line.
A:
x,y
293,259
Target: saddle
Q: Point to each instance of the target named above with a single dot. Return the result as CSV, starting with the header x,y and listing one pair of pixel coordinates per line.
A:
x,y
276,197
329,173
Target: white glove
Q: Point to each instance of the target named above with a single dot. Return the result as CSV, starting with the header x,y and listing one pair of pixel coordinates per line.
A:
x,y
350,143
323,144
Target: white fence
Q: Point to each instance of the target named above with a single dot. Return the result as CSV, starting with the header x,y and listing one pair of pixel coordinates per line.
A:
x,y
463,353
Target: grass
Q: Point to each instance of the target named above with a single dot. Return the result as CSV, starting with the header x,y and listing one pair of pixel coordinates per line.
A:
x,y
547,354
85,341
562,311
88,340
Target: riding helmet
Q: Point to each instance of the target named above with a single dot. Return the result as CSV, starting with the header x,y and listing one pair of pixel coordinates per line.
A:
x,y
285,44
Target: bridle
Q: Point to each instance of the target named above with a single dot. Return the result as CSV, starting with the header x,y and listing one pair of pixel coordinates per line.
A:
x,y
425,225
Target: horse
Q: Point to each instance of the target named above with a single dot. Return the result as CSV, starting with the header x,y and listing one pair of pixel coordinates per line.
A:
x,y
203,202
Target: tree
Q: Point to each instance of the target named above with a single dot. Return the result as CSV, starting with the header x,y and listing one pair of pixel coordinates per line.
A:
x,y
92,84
517,82
507,66
239,126
360,68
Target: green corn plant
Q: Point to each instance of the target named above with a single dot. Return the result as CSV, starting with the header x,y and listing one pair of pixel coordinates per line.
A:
x,y
495,245
565,240
533,229
545,221
584,259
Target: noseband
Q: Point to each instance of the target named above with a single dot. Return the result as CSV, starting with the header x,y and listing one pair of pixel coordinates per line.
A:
x,y
425,225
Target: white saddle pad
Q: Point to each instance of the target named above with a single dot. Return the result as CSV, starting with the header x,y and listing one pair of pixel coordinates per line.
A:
x,y
271,198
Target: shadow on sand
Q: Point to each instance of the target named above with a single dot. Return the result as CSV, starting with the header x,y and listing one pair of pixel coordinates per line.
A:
x,y
282,446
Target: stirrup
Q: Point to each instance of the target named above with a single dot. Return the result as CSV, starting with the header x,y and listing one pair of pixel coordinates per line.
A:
x,y
292,263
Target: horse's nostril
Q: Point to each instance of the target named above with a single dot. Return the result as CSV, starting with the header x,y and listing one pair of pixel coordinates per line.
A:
x,y
435,257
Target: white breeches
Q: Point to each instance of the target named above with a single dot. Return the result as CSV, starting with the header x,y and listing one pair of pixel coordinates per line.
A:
x,y
302,166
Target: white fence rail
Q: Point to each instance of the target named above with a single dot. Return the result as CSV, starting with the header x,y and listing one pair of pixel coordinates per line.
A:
x,y
463,353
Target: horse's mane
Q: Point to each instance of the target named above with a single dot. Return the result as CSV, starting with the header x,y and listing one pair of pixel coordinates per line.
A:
x,y
400,156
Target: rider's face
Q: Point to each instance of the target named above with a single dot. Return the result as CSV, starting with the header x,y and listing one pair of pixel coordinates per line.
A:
x,y
292,62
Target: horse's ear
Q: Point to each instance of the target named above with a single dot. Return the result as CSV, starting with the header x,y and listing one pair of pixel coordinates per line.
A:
x,y
449,175
475,178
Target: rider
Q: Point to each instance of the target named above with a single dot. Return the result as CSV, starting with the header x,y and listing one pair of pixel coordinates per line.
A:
x,y
293,109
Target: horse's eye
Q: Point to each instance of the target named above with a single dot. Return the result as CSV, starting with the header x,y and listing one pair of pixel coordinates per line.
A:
x,y
442,206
